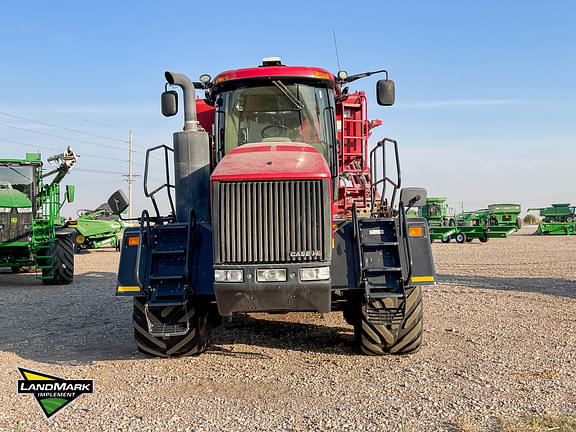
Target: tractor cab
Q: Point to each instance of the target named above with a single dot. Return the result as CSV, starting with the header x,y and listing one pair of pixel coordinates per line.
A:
x,y
17,192
275,104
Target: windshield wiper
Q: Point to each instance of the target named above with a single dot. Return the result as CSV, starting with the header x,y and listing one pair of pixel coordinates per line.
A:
x,y
18,172
286,92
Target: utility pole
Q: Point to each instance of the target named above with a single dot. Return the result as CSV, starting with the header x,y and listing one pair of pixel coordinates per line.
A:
x,y
130,178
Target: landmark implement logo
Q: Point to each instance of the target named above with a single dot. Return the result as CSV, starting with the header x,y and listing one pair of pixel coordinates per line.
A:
x,y
52,393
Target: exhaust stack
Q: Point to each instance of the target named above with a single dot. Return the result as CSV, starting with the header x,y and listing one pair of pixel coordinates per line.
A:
x,y
191,158
182,81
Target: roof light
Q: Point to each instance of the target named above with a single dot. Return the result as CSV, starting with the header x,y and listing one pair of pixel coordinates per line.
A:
x,y
221,78
271,61
322,75
342,75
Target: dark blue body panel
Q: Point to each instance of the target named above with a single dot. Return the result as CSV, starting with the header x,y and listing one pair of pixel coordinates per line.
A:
x,y
156,263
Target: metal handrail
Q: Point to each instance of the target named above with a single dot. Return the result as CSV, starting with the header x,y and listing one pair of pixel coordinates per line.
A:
x,y
385,179
144,219
404,227
358,245
166,185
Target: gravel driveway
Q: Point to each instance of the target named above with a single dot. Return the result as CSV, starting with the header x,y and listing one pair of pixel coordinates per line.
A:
x,y
499,343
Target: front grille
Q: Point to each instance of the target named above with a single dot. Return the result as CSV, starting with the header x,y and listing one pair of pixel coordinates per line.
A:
x,y
15,227
271,221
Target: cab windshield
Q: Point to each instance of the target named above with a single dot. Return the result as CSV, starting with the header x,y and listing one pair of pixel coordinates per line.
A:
x,y
276,112
17,181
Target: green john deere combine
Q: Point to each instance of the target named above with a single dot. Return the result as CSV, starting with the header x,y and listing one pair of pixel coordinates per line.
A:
x,y
559,219
96,228
437,212
32,232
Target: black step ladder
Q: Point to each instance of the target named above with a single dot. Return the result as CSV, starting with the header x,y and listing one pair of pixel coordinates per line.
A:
x,y
164,275
380,264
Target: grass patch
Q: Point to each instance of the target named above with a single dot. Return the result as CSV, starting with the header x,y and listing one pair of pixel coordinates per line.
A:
x,y
547,423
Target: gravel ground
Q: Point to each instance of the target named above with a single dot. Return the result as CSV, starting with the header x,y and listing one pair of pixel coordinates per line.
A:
x,y
498,343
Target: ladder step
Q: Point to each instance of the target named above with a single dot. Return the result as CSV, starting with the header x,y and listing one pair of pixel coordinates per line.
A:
x,y
377,243
169,252
43,256
385,295
383,269
165,330
171,227
171,277
45,267
385,316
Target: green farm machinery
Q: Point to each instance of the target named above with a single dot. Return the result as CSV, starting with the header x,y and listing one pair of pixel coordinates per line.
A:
x,y
98,228
496,221
559,219
437,212
505,215
465,219
32,232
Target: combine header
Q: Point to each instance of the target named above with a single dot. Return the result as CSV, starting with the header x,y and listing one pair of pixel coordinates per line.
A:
x,y
277,209
98,228
32,232
560,219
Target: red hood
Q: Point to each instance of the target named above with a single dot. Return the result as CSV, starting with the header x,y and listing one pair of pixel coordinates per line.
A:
x,y
272,161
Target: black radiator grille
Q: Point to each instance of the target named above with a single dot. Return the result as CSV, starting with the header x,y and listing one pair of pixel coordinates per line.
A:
x,y
271,221
14,226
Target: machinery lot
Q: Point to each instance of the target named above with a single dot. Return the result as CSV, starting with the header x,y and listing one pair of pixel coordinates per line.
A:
x,y
498,343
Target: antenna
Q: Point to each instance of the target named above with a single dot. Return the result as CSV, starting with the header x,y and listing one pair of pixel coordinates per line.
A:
x,y
336,48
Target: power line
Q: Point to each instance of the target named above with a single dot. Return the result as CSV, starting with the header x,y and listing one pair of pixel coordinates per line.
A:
x,y
98,171
63,127
60,137
59,150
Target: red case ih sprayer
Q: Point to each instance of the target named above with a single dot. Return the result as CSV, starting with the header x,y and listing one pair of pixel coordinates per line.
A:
x,y
279,206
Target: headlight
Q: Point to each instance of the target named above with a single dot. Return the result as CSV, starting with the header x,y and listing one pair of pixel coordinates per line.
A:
x,y
316,273
5,209
228,275
271,275
24,209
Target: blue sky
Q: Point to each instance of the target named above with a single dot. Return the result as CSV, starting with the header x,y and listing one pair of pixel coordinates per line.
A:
x,y
485,94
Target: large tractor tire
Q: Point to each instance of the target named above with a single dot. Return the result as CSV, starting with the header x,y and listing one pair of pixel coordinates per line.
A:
x,y
405,338
62,262
518,223
192,343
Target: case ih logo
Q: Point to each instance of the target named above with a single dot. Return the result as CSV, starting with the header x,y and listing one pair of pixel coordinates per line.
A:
x,y
305,254
52,393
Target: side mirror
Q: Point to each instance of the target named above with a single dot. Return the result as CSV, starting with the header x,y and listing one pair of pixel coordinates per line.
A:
x,y
118,202
413,197
70,193
385,92
169,103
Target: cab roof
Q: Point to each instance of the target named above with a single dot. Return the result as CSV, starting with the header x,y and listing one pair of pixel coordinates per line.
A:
x,y
277,71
